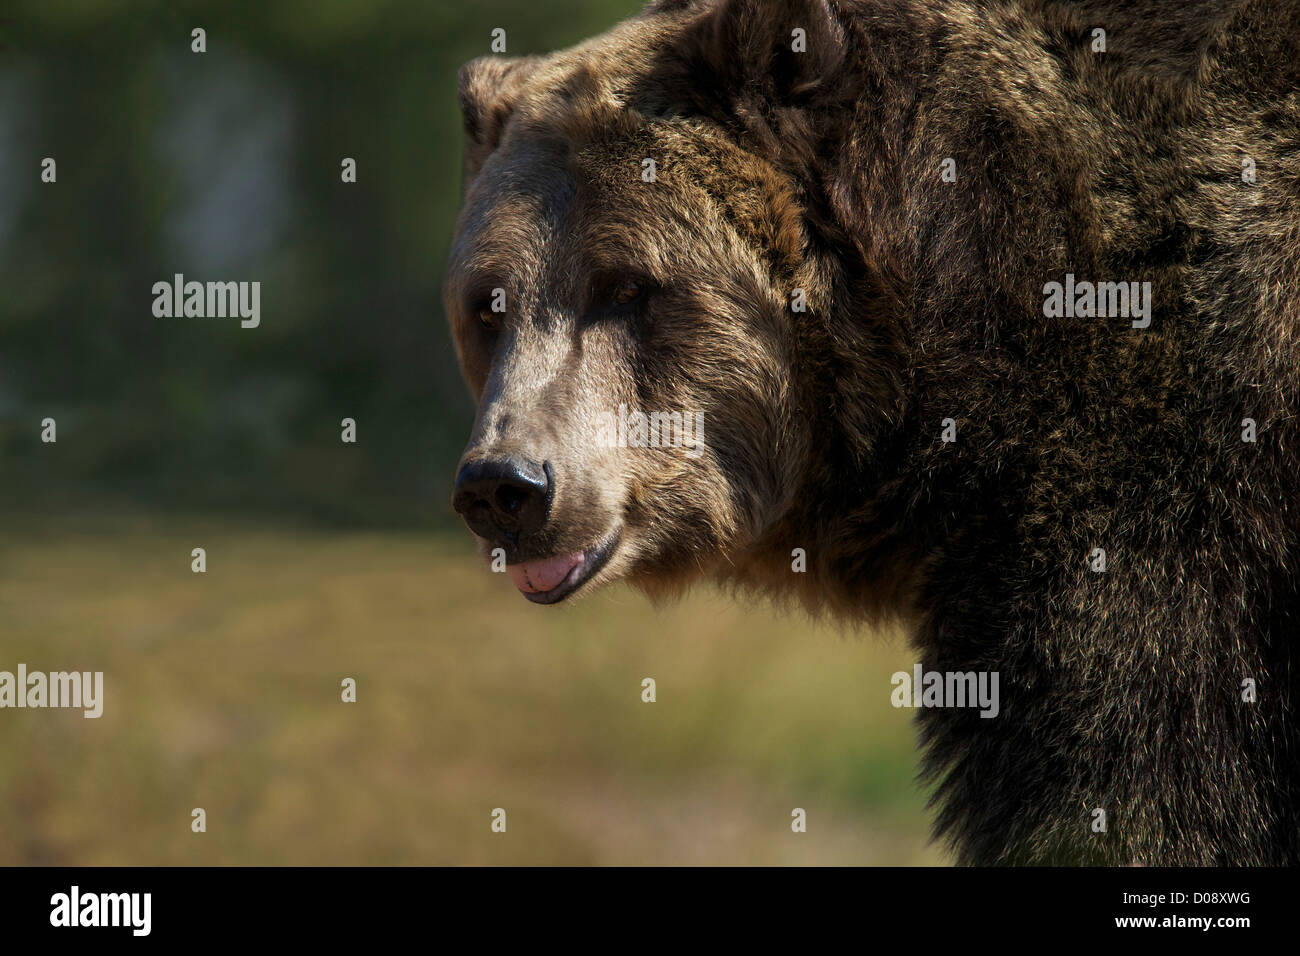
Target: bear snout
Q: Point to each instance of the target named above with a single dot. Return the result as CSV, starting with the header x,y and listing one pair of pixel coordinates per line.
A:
x,y
504,497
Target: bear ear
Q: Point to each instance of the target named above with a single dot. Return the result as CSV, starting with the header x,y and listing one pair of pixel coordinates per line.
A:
x,y
488,89
780,52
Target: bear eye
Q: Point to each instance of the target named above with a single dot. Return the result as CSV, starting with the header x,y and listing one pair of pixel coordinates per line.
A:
x,y
618,291
487,318
627,292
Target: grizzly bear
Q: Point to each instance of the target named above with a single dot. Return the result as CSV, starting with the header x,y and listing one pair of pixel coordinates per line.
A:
x,y
984,317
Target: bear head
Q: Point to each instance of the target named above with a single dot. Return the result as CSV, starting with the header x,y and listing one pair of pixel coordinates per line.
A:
x,y
638,299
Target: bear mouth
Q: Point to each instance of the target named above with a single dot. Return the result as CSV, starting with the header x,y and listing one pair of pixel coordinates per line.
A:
x,y
551,580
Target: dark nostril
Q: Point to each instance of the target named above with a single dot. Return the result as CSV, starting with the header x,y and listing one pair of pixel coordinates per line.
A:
x,y
503,494
510,499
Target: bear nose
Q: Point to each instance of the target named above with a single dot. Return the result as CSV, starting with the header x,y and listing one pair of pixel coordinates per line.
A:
x,y
510,495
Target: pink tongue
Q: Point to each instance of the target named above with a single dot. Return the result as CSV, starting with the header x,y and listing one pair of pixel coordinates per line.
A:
x,y
534,576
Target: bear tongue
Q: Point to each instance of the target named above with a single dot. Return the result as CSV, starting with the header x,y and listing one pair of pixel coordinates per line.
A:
x,y
532,577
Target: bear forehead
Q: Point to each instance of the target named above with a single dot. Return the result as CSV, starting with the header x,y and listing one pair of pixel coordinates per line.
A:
x,y
542,184
596,80
582,127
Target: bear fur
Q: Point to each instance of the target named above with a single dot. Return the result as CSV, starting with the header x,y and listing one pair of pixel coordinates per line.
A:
x,y
1170,157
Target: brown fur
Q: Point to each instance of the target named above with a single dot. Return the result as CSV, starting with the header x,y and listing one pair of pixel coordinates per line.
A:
x,y
820,171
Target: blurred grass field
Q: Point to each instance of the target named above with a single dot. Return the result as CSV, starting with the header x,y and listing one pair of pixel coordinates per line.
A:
x,y
222,691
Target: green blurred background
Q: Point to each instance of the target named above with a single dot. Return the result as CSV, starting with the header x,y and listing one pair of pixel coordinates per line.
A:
x,y
328,560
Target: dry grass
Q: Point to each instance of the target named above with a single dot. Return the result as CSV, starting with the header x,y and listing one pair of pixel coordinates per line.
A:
x,y
222,692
